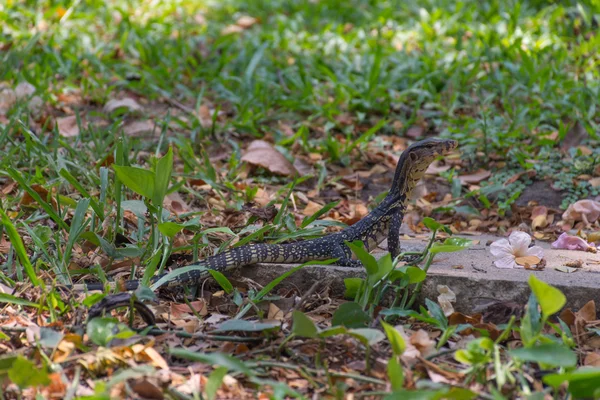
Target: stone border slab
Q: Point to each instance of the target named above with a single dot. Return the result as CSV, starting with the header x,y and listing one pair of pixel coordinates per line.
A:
x,y
470,274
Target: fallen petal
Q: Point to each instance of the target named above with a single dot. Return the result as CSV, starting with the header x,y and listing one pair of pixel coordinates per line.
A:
x,y
520,242
501,248
507,262
568,242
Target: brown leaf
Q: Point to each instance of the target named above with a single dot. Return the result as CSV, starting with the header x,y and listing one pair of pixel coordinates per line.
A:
x,y
592,359
475,177
539,217
27,200
146,389
311,208
67,126
528,260
261,153
587,313
180,309
141,128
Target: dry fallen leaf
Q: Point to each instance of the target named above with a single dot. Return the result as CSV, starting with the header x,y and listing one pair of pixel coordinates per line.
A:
x,y
539,217
67,126
261,153
527,260
127,103
475,177
141,128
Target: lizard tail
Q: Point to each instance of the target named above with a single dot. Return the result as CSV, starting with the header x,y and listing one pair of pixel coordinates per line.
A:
x,y
233,258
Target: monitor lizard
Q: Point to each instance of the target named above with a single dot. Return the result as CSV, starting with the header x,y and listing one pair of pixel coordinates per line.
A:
x,y
382,223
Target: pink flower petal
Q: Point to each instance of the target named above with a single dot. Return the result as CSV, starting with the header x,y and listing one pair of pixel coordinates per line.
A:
x,y
501,248
507,262
520,242
566,241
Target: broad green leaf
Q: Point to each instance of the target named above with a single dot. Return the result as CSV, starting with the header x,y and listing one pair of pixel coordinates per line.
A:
x,y
583,382
140,180
396,340
384,266
220,359
433,225
395,373
350,315
303,326
247,326
552,354
93,299
170,229
135,206
551,299
450,245
363,255
453,393
368,336
222,281
214,382
476,352
415,274
17,244
25,374
334,330
353,286
436,312
102,330
162,173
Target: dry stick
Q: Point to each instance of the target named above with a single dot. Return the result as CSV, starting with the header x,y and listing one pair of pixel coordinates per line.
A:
x,y
308,293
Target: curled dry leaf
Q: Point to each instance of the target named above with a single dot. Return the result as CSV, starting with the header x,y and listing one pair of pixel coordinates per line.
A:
x,y
445,299
539,217
261,153
475,177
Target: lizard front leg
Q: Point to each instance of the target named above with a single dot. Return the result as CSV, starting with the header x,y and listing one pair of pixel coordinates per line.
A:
x,y
344,256
394,234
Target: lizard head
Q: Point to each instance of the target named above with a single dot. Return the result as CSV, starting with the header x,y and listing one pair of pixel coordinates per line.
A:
x,y
416,159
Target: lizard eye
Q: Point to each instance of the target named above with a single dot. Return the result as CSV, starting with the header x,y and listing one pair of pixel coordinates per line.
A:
x,y
413,156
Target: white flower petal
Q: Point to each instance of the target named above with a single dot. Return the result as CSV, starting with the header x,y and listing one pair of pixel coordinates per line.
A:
x,y
536,251
506,262
501,248
520,242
